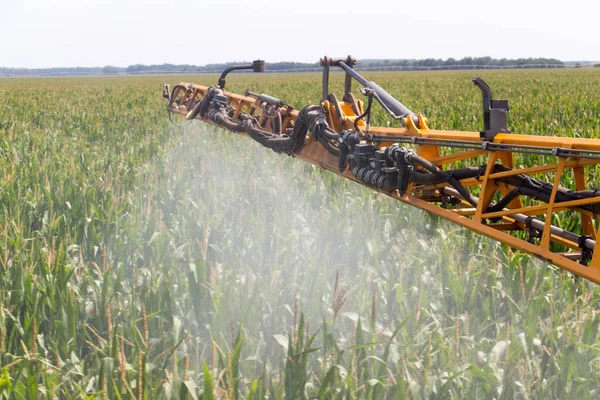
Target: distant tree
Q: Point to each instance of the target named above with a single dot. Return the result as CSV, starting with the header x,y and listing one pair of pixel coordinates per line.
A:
x,y
450,61
109,69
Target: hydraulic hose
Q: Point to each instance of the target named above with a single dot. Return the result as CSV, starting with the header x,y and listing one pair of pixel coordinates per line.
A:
x,y
535,223
413,158
499,206
364,114
523,184
311,118
268,139
223,120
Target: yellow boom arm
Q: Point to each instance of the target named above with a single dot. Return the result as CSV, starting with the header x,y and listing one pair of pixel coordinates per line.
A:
x,y
516,206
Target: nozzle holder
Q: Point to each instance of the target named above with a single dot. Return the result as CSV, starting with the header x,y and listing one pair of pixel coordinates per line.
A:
x,y
494,112
256,66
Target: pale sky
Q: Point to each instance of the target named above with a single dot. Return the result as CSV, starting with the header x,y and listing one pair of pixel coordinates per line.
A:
x,y
69,33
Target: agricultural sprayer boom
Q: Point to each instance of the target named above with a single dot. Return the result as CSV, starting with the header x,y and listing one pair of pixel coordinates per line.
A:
x,y
426,168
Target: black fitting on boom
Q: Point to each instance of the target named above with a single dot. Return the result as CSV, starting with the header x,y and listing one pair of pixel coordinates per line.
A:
x,y
494,112
398,155
347,141
363,153
374,166
256,66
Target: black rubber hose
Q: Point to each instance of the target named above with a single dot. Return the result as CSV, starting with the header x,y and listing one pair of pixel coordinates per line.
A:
x,y
330,147
313,118
268,139
330,134
537,224
224,121
328,139
499,206
421,177
361,116
413,158
524,185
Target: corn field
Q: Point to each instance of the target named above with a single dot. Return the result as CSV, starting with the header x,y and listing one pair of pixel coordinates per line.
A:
x,y
143,261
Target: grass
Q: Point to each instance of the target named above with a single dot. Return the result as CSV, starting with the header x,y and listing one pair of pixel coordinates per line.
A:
x,y
141,261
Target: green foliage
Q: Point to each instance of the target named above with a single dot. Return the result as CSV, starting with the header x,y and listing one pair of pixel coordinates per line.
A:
x,y
136,259
297,360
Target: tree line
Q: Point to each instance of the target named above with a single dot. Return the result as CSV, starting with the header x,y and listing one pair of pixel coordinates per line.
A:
x,y
428,63
466,61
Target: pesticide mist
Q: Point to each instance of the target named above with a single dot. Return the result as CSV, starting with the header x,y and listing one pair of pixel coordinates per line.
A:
x,y
272,249
276,232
